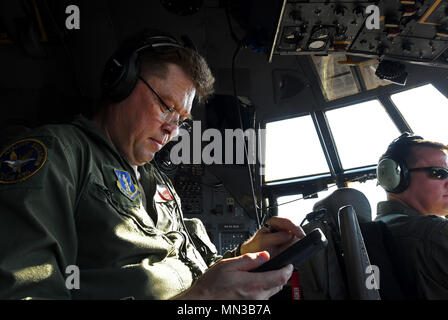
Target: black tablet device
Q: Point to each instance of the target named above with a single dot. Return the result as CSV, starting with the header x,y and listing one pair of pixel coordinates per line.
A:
x,y
297,253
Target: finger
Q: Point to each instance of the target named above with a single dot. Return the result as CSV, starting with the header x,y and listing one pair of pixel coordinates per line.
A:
x,y
250,261
286,245
262,285
278,238
276,278
287,225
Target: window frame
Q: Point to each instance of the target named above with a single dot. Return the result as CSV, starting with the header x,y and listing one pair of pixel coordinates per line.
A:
x,y
308,185
297,178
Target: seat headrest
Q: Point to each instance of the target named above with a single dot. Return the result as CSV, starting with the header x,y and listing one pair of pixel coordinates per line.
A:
x,y
343,197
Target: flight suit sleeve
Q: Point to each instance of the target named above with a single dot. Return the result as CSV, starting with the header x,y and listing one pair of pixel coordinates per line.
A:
x,y
202,241
37,229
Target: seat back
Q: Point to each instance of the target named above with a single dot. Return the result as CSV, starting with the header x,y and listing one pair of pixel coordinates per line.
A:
x,y
343,197
330,273
384,253
362,278
324,276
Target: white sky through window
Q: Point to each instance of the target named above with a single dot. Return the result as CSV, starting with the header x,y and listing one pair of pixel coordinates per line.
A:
x,y
361,132
296,211
293,149
426,111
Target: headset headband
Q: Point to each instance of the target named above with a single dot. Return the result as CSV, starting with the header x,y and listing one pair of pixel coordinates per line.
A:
x,y
404,138
122,69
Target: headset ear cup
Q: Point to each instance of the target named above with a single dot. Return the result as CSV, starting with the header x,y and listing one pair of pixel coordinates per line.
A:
x,y
389,174
123,68
112,73
120,78
112,76
129,79
392,171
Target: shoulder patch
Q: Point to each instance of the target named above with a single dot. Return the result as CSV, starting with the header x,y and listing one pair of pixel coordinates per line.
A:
x,y
21,160
125,184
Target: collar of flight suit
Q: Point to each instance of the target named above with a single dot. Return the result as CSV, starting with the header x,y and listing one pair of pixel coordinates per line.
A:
x,y
389,207
94,131
143,174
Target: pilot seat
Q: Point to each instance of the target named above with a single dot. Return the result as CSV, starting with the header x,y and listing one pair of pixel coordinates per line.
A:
x,y
359,261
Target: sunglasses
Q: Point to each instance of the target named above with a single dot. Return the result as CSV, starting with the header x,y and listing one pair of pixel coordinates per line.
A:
x,y
439,173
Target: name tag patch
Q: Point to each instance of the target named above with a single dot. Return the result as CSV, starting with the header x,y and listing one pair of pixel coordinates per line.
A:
x,y
163,193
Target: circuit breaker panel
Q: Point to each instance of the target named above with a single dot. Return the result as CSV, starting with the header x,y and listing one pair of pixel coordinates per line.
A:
x,y
188,183
207,199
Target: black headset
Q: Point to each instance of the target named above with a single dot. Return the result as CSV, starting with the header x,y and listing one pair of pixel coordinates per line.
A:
x,y
392,171
122,69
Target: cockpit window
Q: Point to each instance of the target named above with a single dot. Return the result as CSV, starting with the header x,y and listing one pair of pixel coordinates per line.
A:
x,y
426,111
373,192
293,149
361,133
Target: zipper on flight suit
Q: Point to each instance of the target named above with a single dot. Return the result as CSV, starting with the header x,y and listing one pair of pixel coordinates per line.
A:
x,y
115,205
145,229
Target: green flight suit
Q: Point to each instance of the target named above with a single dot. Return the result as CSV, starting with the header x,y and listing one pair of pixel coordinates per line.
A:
x,y
67,197
422,246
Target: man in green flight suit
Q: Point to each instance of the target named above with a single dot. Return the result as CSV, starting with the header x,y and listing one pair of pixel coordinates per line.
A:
x,y
414,173
85,195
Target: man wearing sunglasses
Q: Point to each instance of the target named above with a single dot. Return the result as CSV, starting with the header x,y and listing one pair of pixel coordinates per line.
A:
x,y
85,195
414,173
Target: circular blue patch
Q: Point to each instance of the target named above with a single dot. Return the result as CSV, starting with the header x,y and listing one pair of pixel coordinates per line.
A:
x,y
21,160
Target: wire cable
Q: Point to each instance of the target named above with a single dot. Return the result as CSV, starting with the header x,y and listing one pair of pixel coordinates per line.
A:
x,y
281,204
229,22
240,44
246,153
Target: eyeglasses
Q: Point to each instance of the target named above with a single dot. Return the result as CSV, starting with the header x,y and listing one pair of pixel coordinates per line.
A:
x,y
170,115
439,173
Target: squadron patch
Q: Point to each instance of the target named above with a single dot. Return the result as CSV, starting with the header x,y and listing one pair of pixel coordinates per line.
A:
x,y
21,160
125,185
